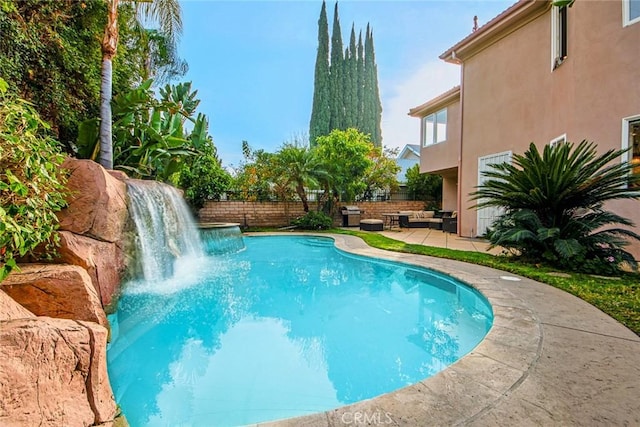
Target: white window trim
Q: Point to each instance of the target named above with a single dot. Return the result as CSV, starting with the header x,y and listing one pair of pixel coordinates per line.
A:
x,y
626,9
557,139
628,156
555,27
423,131
625,136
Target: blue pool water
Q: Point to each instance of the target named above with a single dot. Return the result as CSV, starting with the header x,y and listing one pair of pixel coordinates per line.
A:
x,y
289,326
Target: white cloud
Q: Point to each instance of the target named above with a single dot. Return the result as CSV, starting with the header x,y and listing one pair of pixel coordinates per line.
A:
x,y
432,79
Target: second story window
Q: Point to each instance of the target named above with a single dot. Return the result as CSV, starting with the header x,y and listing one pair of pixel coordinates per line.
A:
x,y
631,140
630,11
558,35
434,128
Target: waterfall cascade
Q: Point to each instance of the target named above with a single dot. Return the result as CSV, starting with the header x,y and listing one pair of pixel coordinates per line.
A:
x,y
165,229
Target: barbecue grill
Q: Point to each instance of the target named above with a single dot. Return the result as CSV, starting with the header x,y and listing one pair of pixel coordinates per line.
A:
x,y
351,216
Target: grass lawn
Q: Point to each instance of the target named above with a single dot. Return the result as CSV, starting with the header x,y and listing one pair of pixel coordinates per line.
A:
x,y
619,297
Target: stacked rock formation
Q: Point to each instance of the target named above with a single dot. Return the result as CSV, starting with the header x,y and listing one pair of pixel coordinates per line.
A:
x,y
53,327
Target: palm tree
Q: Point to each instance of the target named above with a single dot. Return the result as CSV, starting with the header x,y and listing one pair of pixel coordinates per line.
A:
x,y
554,205
301,167
167,14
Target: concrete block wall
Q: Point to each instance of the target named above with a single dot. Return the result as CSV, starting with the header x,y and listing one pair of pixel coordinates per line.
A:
x,y
280,214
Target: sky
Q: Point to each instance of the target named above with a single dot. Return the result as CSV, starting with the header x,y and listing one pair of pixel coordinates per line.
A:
x,y
252,62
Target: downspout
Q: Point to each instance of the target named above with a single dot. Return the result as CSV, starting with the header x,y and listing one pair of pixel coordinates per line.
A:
x,y
459,184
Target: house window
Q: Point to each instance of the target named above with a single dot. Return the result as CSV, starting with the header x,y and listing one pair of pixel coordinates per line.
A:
x,y
630,12
558,140
631,140
558,36
434,128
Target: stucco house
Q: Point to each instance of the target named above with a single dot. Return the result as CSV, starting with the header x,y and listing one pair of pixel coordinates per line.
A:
x,y
535,73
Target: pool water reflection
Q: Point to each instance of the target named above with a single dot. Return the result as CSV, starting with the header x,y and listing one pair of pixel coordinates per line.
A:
x,y
290,326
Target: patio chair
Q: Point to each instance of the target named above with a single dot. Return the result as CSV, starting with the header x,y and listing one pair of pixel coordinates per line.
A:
x,y
450,223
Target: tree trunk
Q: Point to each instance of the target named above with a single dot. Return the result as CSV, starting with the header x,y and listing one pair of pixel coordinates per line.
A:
x,y
106,142
109,46
303,196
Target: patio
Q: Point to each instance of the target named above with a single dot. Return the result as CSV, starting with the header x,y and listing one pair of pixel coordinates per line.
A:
x,y
438,238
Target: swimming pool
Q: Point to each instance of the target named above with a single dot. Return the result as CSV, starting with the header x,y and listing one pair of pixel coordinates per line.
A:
x,y
287,327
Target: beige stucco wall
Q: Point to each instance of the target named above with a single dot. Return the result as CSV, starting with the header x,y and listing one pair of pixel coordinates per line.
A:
x,y
450,191
512,97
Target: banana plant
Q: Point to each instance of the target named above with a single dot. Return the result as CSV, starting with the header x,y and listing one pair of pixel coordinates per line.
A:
x,y
149,137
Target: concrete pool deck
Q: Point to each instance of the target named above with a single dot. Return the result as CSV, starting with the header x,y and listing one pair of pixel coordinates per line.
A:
x,y
549,359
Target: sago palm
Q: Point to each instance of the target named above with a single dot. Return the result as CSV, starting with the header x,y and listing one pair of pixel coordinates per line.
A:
x,y
554,205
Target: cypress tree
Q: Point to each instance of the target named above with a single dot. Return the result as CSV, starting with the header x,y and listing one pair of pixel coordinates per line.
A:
x,y
346,93
320,112
376,104
351,89
360,77
337,75
372,105
346,90
367,118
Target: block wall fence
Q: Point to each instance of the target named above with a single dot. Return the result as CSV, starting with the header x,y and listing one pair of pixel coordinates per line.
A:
x,y
280,214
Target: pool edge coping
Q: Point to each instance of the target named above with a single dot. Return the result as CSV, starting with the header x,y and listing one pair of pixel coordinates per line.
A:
x,y
463,391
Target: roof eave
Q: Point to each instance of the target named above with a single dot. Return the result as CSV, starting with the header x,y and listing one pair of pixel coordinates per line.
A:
x,y
446,98
408,148
513,18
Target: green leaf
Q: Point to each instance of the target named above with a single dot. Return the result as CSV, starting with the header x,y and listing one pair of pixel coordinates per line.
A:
x,y
19,188
88,138
567,248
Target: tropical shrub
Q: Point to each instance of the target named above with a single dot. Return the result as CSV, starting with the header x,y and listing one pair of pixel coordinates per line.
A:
x,y
203,178
381,173
252,180
554,206
150,139
344,155
31,185
313,220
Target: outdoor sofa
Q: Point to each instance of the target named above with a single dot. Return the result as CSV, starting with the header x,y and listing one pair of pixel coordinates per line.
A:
x,y
423,219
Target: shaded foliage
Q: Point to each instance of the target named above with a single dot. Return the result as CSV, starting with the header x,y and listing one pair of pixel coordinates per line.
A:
x,y
44,46
50,55
424,186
